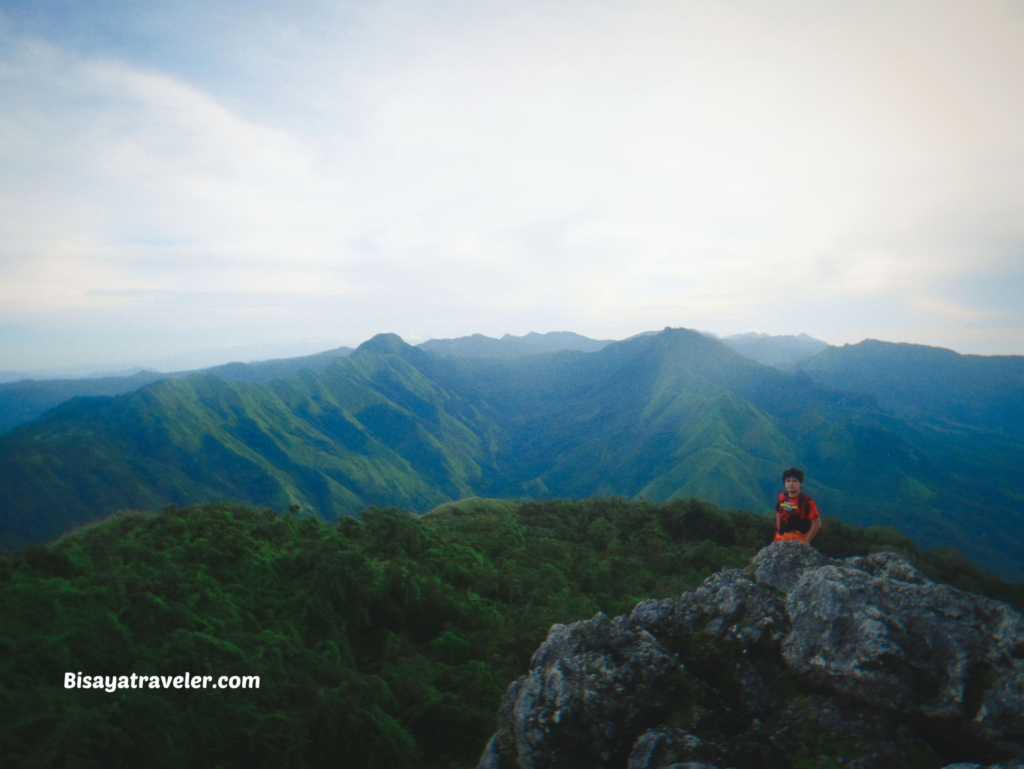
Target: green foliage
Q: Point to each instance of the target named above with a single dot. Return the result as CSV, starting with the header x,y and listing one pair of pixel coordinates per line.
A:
x,y
388,641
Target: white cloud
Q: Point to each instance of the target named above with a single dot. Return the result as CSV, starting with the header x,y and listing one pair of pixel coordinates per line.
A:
x,y
125,179
601,167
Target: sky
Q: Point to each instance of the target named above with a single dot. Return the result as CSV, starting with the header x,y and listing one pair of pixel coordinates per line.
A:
x,y
188,183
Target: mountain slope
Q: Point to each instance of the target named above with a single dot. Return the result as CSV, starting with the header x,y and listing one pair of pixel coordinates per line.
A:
x,y
673,414
25,400
929,382
653,416
333,442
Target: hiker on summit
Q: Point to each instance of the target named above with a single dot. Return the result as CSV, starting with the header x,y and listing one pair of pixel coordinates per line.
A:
x,y
796,516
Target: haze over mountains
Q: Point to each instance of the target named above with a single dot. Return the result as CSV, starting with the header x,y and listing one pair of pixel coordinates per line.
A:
x,y
778,351
508,347
676,413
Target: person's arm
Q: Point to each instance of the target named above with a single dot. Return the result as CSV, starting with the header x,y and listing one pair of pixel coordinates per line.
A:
x,y
815,528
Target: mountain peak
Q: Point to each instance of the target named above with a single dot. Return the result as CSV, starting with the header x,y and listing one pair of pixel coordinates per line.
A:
x,y
384,344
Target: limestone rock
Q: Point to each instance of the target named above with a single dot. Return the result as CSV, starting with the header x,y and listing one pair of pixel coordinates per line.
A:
x,y
666,748
727,604
781,564
863,661
876,630
593,686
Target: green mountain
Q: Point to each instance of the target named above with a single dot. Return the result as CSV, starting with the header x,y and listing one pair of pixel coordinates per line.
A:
x,y
673,414
985,391
656,416
28,399
333,442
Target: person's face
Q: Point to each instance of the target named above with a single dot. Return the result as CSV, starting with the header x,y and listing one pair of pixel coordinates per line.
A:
x,y
792,487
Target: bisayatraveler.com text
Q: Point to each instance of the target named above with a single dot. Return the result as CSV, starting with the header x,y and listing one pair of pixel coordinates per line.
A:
x,y
134,681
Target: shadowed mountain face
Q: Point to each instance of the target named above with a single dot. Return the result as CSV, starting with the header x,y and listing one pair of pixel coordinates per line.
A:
x,y
929,382
674,414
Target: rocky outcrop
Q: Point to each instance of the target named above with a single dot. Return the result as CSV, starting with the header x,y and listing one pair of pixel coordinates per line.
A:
x,y
592,686
801,658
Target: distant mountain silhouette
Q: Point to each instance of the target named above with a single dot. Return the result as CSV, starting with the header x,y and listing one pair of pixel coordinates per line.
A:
x,y
480,346
778,351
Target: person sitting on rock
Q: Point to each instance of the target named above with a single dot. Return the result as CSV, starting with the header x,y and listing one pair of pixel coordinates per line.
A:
x,y
796,516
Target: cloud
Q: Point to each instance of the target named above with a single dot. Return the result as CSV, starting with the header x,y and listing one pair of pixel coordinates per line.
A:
x,y
441,170
122,178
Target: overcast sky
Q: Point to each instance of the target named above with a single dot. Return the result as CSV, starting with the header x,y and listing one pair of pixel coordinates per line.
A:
x,y
242,180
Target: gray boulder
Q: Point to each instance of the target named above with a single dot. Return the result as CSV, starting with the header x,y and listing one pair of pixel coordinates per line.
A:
x,y
876,630
728,634
863,661
781,564
727,605
593,686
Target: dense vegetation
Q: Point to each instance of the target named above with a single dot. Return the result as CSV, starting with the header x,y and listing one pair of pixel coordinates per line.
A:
x,y
379,643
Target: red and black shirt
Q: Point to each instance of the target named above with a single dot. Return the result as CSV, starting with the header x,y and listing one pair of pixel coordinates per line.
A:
x,y
795,515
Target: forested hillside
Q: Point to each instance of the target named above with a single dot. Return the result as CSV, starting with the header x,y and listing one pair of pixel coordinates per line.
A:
x,y
673,414
981,391
27,399
387,640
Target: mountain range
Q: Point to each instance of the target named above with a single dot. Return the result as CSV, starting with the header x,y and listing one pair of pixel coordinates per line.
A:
x,y
929,383
23,400
26,399
671,414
